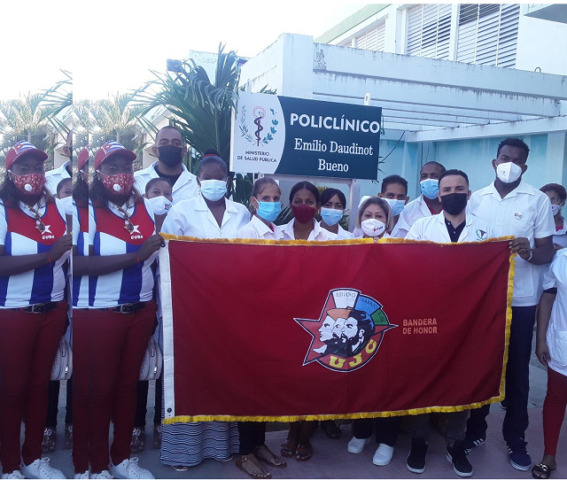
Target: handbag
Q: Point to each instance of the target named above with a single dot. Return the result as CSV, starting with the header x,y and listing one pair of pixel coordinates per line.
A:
x,y
63,364
152,363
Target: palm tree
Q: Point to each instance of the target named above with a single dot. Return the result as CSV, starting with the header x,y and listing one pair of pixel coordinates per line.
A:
x,y
58,100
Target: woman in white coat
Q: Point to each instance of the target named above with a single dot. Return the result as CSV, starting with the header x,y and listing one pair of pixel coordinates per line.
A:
x,y
209,215
333,206
375,218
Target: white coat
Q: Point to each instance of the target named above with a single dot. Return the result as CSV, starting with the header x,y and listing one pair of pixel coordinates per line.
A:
x,y
257,229
193,218
53,177
318,234
342,234
185,187
411,213
434,229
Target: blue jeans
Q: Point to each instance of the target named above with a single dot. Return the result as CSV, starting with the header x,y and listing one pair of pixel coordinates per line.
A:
x,y
517,382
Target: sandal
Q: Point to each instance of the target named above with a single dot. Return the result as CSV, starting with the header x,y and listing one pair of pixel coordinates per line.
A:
x,y
250,466
288,448
264,454
541,470
303,452
331,429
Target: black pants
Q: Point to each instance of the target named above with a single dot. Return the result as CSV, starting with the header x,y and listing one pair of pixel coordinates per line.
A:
x,y
141,405
252,435
52,406
517,382
386,429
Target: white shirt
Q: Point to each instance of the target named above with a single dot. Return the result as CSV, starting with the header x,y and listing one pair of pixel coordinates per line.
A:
x,y
256,228
185,187
193,218
53,177
318,234
524,212
434,229
560,236
412,212
342,234
556,337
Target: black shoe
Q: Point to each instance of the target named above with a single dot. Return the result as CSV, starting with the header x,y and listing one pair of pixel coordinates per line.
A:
x,y
471,442
457,456
416,457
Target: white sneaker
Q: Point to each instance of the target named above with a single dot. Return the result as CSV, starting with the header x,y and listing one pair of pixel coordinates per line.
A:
x,y
129,469
383,455
40,468
104,474
356,445
82,475
14,474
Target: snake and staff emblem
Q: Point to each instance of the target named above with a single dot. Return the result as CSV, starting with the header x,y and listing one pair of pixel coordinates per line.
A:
x,y
259,114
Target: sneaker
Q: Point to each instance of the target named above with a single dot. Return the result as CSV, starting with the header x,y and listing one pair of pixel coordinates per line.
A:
x,y
457,456
416,457
129,468
40,468
469,443
138,440
48,443
383,455
104,474
68,436
157,437
356,445
14,474
82,475
519,456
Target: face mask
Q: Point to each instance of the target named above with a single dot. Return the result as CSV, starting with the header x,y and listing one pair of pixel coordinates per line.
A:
x,y
67,203
119,184
454,203
508,172
430,188
303,213
555,209
213,190
396,205
170,155
331,216
268,211
373,227
30,184
160,205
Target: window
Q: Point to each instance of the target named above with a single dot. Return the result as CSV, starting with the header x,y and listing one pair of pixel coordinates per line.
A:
x,y
372,39
429,30
488,34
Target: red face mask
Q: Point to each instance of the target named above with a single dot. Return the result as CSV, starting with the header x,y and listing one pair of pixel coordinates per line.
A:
x,y
30,184
119,184
303,213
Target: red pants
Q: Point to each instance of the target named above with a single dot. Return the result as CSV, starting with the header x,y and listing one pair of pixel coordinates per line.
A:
x,y
554,409
81,424
28,344
116,346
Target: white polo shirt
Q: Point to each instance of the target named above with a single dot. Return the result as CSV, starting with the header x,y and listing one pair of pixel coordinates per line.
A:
x,y
53,177
185,187
524,212
434,229
412,212
556,337
257,229
318,234
193,218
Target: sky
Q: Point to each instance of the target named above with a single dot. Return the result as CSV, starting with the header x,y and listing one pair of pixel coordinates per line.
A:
x,y
110,45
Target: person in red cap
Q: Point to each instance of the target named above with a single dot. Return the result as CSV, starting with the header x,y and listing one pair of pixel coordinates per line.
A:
x,y
122,250
34,252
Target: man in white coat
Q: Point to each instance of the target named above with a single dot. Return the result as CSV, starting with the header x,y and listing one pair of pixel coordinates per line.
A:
x,y
452,225
170,148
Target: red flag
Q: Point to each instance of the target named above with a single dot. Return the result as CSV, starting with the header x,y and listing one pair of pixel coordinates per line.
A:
x,y
263,330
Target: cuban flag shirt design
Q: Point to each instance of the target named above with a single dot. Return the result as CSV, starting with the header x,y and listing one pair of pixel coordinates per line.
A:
x,y
109,236
20,235
81,241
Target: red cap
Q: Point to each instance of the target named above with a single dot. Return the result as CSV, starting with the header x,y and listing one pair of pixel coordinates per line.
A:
x,y
23,148
83,157
109,149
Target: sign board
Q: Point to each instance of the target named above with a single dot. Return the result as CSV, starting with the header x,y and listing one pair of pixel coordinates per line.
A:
x,y
294,136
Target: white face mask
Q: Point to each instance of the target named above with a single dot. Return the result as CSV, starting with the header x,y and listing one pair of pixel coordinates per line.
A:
x,y
556,208
373,227
396,205
160,205
508,172
67,203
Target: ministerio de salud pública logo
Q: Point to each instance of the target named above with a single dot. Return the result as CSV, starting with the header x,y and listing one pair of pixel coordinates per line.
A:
x,y
348,333
261,127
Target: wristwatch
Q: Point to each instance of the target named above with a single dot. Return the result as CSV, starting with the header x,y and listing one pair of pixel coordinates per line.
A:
x,y
531,255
